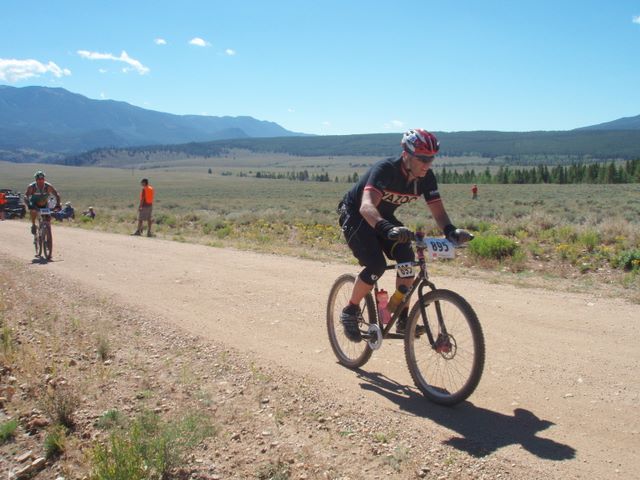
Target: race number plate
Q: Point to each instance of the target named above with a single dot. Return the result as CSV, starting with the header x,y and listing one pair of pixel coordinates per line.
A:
x,y
404,270
439,248
45,211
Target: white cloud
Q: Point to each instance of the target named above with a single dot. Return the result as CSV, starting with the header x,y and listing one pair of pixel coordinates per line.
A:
x,y
199,42
230,52
160,41
636,19
133,63
291,110
13,70
394,124
326,124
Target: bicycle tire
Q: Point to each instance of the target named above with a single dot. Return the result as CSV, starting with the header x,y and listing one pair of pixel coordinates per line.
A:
x,y
446,376
47,241
37,242
350,354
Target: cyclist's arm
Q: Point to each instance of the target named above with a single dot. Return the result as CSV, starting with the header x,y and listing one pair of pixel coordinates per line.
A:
x,y
439,213
27,195
55,193
369,206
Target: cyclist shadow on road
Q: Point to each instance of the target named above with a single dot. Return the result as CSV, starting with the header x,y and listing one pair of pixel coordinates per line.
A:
x,y
481,431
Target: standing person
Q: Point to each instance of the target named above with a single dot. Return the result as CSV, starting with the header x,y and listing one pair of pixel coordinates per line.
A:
x,y
145,208
37,196
474,192
371,228
3,202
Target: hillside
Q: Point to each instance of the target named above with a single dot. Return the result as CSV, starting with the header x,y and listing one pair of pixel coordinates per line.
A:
x,y
39,124
626,123
54,120
511,147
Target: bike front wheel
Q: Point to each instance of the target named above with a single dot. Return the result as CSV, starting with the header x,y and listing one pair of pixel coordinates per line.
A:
x,y
350,354
37,242
47,241
447,369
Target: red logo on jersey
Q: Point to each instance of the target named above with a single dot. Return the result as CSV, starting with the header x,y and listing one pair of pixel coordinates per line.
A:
x,y
398,198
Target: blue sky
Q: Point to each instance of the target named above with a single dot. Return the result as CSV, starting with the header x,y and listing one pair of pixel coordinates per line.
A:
x,y
338,66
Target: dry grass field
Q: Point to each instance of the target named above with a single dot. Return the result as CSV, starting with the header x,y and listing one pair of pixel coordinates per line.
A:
x,y
585,232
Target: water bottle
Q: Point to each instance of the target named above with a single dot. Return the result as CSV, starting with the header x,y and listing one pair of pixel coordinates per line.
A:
x,y
383,312
397,297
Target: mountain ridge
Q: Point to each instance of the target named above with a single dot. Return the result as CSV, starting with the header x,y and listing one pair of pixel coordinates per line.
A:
x,y
62,119
58,126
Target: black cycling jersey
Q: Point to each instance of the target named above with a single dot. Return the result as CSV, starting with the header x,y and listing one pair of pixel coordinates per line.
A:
x,y
390,178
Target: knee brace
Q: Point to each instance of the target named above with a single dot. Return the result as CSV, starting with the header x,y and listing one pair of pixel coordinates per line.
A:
x,y
371,273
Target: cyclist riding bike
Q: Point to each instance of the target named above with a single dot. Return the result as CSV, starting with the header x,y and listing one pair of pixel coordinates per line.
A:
x,y
37,196
368,222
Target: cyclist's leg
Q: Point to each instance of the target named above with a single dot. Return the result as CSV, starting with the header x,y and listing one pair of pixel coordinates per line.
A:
x,y
365,246
402,253
34,214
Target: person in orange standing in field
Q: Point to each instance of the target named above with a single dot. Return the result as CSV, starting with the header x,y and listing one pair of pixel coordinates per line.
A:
x,y
145,208
474,191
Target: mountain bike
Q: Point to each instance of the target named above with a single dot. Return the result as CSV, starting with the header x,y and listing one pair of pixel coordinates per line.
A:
x,y
43,239
445,359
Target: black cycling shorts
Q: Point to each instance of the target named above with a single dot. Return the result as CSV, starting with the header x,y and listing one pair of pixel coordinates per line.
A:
x,y
370,248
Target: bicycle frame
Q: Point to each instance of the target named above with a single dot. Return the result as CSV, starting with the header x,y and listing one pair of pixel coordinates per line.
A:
x,y
419,283
44,219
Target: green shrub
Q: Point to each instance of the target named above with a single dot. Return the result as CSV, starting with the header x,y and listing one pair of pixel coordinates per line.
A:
x,y
165,219
8,430
492,246
590,239
60,405
6,341
149,448
629,260
110,419
54,442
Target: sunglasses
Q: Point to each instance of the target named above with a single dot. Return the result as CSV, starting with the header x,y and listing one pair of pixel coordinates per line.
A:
x,y
424,159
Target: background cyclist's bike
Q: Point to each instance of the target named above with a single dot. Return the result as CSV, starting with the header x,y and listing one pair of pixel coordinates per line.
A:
x,y
447,359
43,239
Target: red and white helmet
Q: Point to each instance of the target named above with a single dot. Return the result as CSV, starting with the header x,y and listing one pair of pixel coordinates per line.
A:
x,y
419,142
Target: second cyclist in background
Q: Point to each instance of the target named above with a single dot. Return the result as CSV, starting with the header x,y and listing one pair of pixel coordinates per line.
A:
x,y
37,196
367,218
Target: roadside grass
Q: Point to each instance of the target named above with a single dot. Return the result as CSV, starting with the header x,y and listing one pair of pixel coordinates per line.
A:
x,y
60,404
8,430
55,442
579,228
149,447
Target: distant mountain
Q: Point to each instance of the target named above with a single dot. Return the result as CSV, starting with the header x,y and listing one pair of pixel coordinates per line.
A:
x,y
626,123
58,121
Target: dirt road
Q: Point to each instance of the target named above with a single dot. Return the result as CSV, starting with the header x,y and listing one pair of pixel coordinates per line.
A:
x,y
561,387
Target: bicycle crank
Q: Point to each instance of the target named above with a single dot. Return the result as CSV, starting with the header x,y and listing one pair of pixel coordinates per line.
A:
x,y
374,337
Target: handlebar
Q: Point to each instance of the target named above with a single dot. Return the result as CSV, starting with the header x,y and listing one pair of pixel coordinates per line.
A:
x,y
419,238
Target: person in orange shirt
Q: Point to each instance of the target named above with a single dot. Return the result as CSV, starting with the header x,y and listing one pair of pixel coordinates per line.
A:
x,y
3,202
145,208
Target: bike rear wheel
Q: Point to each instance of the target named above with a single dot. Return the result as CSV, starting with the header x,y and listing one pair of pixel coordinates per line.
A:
x,y
350,354
47,241
449,371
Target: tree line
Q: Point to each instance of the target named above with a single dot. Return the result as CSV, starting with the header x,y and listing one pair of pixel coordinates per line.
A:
x,y
604,173
627,172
